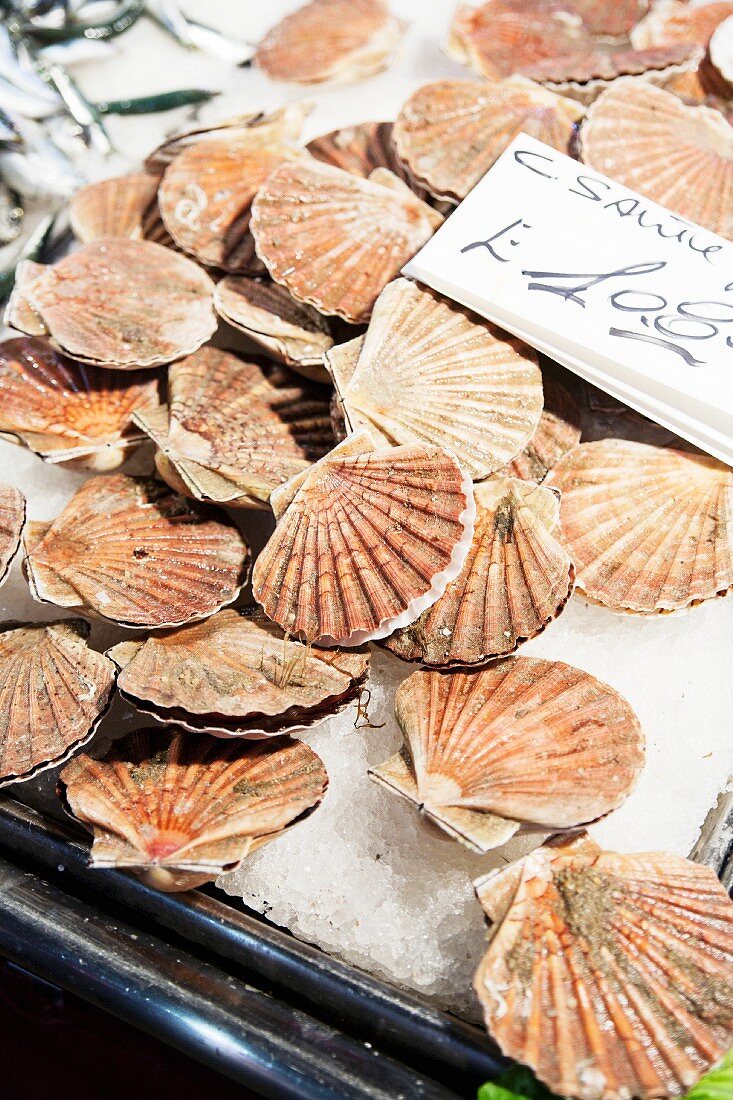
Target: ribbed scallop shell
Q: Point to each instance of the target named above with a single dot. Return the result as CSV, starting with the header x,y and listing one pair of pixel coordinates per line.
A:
x,y
430,372
291,332
12,518
66,411
610,975
160,157
360,149
334,239
117,303
671,22
451,132
129,550
181,808
365,542
516,579
680,156
53,693
525,742
649,528
237,675
610,20
557,433
585,74
334,40
116,207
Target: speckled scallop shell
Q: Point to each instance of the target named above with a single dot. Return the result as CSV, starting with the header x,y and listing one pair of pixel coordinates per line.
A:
x,y
180,809
449,133
516,579
330,40
671,22
557,433
430,372
679,156
289,331
649,528
53,693
68,412
129,550
12,519
610,975
237,430
121,206
116,303
365,542
237,675
334,239
526,743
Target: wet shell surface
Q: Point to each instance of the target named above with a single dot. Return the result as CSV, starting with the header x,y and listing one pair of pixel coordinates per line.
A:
x,y
129,550
610,975
430,372
557,433
334,239
526,743
236,430
12,519
289,331
180,809
121,206
67,411
649,528
677,155
365,542
116,303
330,40
451,132
515,580
237,675
53,693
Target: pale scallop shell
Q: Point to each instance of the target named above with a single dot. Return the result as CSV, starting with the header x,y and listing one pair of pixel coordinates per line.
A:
x,y
430,372
516,579
670,22
121,206
158,160
180,809
649,528
12,519
53,693
610,975
334,239
610,20
237,675
557,433
366,541
721,47
128,550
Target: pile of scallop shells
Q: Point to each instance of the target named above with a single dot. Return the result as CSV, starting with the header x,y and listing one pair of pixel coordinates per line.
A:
x,y
428,490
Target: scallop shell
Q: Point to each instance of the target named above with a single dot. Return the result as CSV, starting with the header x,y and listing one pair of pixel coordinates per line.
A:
x,y
53,693
449,133
237,430
157,161
671,22
68,412
610,975
12,519
516,579
360,149
431,372
526,743
117,207
180,809
128,550
585,75
237,675
557,433
649,528
365,542
679,156
292,333
116,303
350,236
610,20
330,40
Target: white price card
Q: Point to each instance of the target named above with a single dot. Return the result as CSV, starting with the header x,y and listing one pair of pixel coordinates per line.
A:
x,y
630,296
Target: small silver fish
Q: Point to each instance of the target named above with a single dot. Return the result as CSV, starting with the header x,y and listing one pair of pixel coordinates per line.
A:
x,y
196,36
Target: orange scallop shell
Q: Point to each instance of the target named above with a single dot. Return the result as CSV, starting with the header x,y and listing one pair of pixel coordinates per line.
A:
x,y
360,149
671,22
180,809
121,206
12,519
557,433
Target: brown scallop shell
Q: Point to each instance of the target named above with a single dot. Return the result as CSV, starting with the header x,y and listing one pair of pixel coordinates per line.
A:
x,y
128,550
525,743
610,975
237,675
53,693
431,372
334,239
557,433
516,580
360,149
116,303
649,528
330,40
237,430
121,206
12,519
289,331
584,76
180,809
366,540
68,412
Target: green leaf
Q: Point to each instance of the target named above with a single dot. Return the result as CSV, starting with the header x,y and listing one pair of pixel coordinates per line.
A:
x,y
716,1085
517,1083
